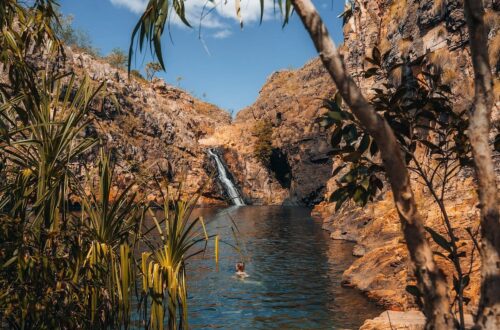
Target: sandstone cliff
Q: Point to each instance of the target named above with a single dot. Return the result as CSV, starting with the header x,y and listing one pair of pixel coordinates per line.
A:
x,y
150,128
291,101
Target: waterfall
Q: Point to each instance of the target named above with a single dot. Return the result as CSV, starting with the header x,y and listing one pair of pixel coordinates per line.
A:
x,y
228,184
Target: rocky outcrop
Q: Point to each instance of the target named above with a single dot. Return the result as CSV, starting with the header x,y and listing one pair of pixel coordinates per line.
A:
x,y
383,270
152,129
411,320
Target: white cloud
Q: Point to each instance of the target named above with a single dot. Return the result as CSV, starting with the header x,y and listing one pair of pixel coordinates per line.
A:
x,y
250,10
136,6
218,17
222,34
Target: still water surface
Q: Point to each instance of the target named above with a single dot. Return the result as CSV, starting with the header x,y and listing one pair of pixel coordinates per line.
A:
x,y
295,274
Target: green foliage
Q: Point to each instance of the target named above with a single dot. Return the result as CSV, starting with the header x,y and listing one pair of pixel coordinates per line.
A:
x,y
263,147
137,74
112,224
60,269
117,58
420,113
362,179
347,13
164,267
39,283
151,69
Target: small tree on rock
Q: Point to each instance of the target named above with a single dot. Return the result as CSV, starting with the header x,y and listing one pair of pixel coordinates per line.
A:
x,y
151,69
263,148
117,58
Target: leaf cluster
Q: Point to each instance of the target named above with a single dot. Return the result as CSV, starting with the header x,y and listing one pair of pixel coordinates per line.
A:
x,y
420,113
359,172
151,69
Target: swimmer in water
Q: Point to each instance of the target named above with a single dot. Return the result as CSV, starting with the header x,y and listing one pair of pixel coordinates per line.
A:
x,y
240,270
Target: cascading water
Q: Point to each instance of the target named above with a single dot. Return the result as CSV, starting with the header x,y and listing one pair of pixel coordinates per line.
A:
x,y
228,184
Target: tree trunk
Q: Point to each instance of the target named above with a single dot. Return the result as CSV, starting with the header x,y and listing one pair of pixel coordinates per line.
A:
x,y
488,316
430,278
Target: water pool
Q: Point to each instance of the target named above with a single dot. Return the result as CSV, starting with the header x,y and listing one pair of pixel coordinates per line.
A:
x,y
295,274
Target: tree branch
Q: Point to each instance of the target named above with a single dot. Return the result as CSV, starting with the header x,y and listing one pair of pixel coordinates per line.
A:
x,y
430,278
488,316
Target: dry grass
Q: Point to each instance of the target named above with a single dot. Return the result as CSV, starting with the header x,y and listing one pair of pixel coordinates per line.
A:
x,y
397,9
396,13
385,45
396,76
494,50
445,64
441,31
467,90
448,76
496,90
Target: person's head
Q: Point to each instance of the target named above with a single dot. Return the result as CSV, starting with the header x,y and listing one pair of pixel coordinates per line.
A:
x,y
240,267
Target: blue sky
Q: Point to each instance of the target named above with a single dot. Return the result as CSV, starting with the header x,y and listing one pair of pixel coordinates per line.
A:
x,y
227,65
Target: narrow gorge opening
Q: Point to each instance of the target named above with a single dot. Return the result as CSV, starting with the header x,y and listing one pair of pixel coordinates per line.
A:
x,y
278,164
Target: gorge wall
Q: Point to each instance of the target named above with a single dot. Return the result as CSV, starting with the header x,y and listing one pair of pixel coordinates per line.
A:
x,y
402,30
151,129
290,101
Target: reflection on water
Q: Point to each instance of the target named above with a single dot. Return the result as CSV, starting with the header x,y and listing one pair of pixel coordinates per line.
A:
x,y
295,273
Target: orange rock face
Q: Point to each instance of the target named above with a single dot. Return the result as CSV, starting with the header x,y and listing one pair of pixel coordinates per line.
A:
x,y
151,129
291,100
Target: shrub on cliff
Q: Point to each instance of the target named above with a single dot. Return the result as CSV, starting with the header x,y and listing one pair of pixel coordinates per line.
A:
x,y
151,69
263,147
117,58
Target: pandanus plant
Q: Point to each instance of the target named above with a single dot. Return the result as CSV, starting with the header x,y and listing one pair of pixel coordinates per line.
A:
x,y
164,267
41,136
112,224
52,115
